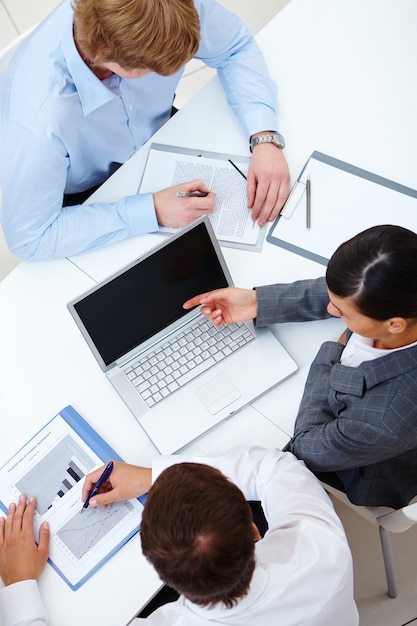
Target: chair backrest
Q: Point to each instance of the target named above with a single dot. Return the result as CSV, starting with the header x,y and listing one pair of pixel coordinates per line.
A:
x,y
388,521
400,520
393,520
370,513
7,260
7,52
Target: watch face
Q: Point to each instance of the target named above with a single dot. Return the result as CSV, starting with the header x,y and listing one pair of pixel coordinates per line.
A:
x,y
279,140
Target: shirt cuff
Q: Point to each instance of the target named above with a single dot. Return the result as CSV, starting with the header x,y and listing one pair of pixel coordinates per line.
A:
x,y
140,213
259,121
21,603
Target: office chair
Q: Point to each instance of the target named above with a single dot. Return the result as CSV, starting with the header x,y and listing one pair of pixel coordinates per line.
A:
x,y
7,52
7,260
388,521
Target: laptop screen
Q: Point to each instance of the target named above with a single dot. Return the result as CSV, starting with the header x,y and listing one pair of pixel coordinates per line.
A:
x,y
148,296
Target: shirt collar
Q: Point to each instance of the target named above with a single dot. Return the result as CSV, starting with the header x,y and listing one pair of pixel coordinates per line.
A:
x,y
92,92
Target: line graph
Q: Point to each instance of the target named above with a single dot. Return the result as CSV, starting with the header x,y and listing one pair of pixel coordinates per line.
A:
x,y
82,532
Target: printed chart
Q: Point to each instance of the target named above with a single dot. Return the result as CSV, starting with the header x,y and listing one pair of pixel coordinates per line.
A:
x,y
52,466
84,531
62,468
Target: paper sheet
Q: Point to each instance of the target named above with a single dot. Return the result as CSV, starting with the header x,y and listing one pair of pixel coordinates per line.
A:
x,y
231,219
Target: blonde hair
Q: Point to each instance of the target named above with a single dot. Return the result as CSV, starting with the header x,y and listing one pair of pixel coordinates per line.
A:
x,y
159,35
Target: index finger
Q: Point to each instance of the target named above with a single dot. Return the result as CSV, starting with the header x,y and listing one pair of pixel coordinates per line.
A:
x,y
195,301
90,482
270,207
195,185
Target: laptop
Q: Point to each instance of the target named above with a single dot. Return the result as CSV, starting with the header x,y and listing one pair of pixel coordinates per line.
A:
x,y
178,381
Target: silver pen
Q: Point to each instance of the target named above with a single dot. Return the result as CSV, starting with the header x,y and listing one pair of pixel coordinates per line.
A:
x,y
308,204
191,194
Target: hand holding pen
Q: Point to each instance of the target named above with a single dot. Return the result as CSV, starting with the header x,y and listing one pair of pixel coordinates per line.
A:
x,y
182,204
192,194
124,482
102,479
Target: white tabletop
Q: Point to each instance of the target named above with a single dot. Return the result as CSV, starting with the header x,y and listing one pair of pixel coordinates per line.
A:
x,y
345,71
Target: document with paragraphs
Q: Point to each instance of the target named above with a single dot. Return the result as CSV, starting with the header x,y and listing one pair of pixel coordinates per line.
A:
x,y
223,174
51,467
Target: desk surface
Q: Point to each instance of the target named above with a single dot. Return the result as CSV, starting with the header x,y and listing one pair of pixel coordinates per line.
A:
x,y
345,76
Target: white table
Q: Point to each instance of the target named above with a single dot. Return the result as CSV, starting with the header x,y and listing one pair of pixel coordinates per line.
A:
x,y
345,70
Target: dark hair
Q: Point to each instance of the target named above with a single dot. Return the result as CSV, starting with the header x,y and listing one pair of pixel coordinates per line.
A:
x,y
196,531
377,269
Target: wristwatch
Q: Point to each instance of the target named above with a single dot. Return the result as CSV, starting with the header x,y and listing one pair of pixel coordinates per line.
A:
x,y
275,138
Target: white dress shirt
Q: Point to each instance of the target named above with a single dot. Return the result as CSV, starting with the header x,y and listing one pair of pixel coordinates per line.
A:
x,y
303,574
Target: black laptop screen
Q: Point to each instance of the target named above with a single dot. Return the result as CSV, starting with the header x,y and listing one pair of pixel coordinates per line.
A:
x,y
148,297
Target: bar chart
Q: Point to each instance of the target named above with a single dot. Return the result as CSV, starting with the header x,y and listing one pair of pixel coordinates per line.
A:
x,y
56,474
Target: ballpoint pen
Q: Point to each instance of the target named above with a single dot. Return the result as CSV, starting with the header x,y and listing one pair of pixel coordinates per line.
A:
x,y
191,194
107,471
236,168
308,204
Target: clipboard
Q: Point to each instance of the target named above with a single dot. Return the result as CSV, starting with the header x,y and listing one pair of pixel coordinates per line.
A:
x,y
231,220
51,466
345,200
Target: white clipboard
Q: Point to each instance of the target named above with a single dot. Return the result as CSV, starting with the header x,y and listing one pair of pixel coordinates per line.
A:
x,y
345,200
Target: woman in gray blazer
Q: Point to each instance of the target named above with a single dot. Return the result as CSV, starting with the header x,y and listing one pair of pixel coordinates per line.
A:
x,y
356,427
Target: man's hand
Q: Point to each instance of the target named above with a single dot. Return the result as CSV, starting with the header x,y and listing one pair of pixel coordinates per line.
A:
x,y
20,557
268,182
174,212
125,482
223,306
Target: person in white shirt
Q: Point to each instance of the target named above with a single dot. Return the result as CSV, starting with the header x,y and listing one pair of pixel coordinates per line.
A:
x,y
197,531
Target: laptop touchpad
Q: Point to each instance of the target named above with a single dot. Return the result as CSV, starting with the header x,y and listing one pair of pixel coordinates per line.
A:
x,y
218,393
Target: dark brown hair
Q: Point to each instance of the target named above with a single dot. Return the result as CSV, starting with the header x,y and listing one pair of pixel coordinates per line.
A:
x,y
196,531
378,269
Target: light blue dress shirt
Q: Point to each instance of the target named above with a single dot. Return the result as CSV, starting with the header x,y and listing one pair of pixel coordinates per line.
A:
x,y
62,130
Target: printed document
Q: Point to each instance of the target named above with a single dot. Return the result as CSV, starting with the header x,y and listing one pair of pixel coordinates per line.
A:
x,y
52,467
231,220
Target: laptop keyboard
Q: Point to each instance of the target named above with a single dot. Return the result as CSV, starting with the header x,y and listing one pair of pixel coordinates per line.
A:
x,y
177,361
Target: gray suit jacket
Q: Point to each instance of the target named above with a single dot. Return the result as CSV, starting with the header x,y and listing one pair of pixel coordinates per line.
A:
x,y
358,422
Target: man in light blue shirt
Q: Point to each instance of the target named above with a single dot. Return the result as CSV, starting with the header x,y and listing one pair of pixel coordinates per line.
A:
x,y
69,117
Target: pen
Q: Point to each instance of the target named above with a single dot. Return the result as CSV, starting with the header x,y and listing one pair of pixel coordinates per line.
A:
x,y
107,471
191,194
236,168
308,204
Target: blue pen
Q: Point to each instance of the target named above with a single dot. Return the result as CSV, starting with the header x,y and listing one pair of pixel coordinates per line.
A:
x,y
108,470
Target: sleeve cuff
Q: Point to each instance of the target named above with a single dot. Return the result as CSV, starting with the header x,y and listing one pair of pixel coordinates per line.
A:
x,y
21,603
140,213
260,121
